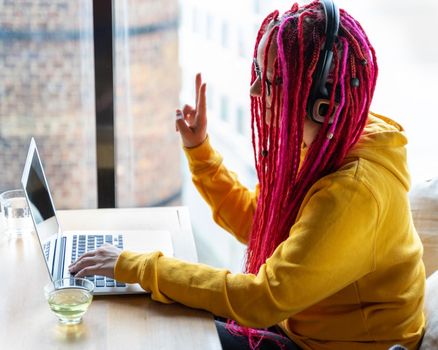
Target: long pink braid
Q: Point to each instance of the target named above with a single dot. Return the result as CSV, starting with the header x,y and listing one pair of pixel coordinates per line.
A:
x,y
283,177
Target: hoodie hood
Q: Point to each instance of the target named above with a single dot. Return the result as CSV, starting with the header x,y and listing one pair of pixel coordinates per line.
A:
x,y
384,142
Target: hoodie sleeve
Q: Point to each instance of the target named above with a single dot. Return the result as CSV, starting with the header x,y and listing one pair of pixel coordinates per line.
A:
x,y
232,204
330,246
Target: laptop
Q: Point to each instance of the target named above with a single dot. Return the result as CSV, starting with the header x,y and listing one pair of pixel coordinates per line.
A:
x,y
60,248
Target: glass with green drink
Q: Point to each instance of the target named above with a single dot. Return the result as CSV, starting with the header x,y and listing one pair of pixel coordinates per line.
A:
x,y
69,298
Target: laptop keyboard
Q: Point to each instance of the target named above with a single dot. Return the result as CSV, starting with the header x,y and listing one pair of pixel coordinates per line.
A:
x,y
85,243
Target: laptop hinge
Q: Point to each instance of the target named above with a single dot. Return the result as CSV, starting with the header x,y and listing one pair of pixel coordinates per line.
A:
x,y
59,258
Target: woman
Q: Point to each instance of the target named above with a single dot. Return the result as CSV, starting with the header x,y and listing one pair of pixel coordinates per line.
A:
x,y
333,258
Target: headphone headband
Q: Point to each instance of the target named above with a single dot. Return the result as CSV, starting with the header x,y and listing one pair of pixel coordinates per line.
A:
x,y
318,93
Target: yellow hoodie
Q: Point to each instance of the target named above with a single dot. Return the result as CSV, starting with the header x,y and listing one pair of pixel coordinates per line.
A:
x,y
350,275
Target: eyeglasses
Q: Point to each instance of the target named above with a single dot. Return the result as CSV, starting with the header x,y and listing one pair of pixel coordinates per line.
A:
x,y
258,72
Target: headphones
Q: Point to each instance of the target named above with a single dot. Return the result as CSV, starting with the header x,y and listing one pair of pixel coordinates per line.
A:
x,y
319,99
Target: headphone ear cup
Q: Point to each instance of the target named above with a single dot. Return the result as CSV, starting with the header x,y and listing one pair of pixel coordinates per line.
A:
x,y
320,109
318,90
318,101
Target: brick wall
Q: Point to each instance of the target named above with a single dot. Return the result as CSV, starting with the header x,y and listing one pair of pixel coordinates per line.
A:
x,y
47,91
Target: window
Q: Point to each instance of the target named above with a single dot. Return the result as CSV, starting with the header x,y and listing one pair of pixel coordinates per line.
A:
x,y
48,91
209,26
210,96
225,34
241,44
195,20
256,6
241,121
224,108
47,77
147,84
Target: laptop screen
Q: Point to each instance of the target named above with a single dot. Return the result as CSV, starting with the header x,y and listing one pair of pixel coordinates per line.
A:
x,y
38,196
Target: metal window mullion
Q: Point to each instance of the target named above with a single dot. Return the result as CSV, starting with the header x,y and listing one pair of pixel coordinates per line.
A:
x,y
104,100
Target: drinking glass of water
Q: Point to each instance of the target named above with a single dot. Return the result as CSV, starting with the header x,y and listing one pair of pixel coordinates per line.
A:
x,y
15,212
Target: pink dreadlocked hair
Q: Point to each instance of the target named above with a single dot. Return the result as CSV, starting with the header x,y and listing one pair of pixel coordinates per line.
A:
x,y
278,146
283,177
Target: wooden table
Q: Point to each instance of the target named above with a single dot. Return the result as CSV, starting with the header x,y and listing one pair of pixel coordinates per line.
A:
x,y
112,322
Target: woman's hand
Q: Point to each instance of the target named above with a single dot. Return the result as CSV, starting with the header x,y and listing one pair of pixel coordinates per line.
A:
x,y
98,262
192,123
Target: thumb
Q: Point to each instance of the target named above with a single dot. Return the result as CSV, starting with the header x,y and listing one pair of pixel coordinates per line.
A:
x,y
181,124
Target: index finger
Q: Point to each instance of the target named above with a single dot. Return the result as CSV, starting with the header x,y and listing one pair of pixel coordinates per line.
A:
x,y
202,106
198,82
